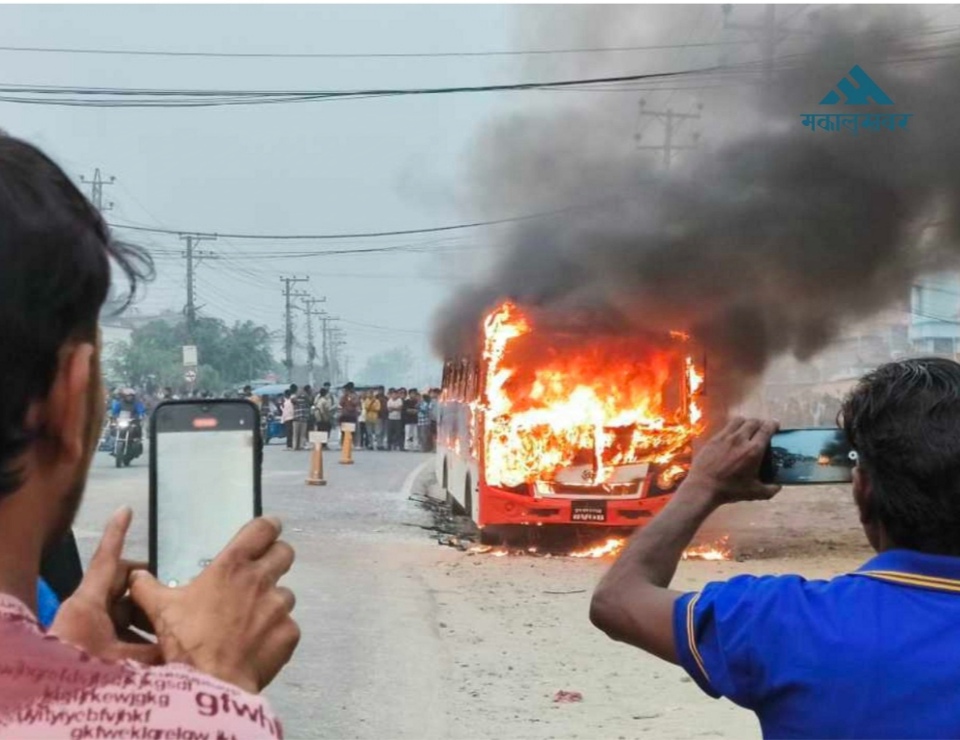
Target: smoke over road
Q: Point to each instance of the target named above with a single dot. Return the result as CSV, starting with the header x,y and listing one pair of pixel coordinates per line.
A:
x,y
764,241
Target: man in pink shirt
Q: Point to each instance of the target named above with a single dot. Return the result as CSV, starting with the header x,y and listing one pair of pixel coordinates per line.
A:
x,y
220,639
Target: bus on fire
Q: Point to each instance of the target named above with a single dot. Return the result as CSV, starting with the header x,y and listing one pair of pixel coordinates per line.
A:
x,y
550,424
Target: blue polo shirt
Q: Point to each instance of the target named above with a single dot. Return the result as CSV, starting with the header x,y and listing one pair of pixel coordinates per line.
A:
x,y
870,654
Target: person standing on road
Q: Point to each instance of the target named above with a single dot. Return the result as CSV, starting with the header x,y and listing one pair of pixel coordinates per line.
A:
x,y
323,412
371,411
349,406
411,412
301,414
311,397
383,442
865,654
219,640
423,423
286,415
362,421
394,420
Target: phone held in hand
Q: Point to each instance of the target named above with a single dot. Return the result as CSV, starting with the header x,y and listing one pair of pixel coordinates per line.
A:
x,y
798,457
204,482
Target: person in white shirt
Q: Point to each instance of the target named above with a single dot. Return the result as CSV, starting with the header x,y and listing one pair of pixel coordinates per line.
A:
x,y
286,416
394,420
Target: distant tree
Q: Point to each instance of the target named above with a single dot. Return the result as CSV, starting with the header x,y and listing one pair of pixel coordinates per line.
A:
x,y
391,367
227,355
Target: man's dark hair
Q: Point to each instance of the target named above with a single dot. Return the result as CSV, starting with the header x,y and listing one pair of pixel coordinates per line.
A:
x,y
903,420
55,254
293,388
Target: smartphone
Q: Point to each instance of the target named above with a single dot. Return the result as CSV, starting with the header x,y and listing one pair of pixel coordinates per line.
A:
x,y
205,460
797,457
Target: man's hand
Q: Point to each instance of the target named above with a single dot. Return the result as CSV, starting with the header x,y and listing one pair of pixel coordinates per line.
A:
x,y
233,620
727,468
96,618
633,602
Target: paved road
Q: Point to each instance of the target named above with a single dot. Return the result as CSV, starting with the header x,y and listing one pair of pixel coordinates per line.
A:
x,y
404,639
371,661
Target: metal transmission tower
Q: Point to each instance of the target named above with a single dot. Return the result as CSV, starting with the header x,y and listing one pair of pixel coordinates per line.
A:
x,y
288,294
193,257
96,189
672,122
309,303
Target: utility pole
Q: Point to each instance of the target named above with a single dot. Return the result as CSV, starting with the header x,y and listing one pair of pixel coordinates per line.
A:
x,y
193,255
96,189
672,122
768,35
327,345
288,293
337,342
311,348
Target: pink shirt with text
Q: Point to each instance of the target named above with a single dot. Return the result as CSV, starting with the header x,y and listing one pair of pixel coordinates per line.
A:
x,y
49,689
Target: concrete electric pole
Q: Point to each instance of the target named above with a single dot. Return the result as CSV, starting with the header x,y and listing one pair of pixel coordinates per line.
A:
x,y
193,256
309,303
288,294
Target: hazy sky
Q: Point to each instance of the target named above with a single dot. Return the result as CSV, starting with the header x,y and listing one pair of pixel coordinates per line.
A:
x,y
311,167
364,165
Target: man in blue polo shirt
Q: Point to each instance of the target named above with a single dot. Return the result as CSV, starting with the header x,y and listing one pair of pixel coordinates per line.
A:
x,y
872,654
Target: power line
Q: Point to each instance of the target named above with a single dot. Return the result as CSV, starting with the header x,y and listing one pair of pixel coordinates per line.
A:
x,y
361,55
173,98
362,234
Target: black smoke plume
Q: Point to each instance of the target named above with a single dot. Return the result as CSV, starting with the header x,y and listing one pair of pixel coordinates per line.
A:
x,y
765,241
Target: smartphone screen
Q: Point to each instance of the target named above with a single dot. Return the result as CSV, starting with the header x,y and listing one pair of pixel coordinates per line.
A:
x,y
204,482
806,457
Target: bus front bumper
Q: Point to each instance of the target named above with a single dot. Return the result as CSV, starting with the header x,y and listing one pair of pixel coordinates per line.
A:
x,y
503,507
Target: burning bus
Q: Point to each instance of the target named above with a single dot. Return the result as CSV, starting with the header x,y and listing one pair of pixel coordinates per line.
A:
x,y
551,424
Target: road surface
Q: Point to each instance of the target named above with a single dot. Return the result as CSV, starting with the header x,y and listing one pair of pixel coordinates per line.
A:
x,y
406,639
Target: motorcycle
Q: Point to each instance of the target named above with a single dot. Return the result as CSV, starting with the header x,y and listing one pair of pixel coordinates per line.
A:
x,y
127,440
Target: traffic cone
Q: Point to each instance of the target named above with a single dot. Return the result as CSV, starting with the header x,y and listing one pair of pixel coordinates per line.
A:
x,y
316,466
346,449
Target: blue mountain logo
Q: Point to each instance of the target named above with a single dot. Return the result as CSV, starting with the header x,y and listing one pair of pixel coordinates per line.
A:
x,y
857,89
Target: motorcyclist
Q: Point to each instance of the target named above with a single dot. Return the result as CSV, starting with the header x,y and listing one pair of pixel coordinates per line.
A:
x,y
127,402
128,405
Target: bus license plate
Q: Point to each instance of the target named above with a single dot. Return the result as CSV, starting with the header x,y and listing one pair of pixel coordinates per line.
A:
x,y
588,511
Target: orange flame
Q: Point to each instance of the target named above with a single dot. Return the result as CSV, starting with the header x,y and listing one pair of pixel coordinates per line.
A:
x,y
718,550
612,546
551,402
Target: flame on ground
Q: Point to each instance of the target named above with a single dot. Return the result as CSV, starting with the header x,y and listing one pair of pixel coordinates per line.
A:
x,y
612,546
719,550
555,400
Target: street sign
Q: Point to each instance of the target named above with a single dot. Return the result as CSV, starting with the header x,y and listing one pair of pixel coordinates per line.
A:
x,y
189,355
190,375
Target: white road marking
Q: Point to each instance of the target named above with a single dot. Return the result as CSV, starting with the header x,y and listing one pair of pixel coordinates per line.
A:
x,y
407,488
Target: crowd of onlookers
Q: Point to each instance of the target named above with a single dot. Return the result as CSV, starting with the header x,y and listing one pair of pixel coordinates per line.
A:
x,y
380,418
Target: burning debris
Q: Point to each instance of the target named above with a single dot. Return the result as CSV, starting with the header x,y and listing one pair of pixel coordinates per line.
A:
x,y
612,546
719,550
